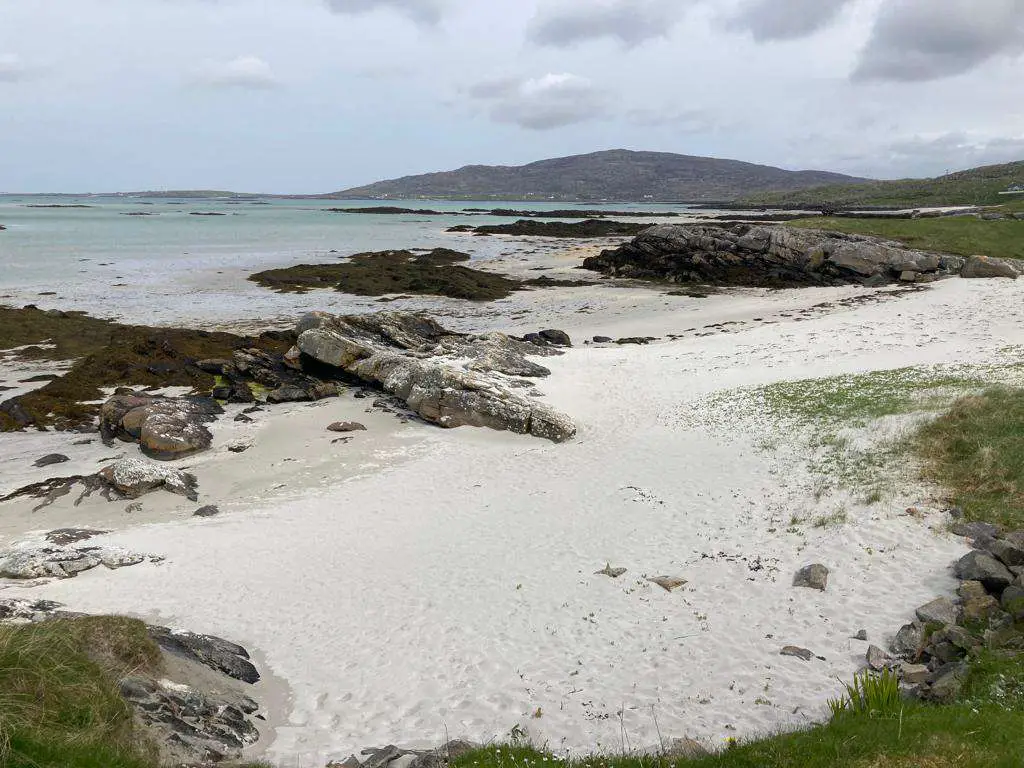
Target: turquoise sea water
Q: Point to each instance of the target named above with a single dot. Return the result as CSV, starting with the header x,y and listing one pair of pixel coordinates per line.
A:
x,y
105,258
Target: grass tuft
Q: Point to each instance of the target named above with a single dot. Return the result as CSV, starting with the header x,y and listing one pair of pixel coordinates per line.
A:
x,y
976,450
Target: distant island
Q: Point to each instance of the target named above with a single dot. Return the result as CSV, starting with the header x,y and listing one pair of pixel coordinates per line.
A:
x,y
616,175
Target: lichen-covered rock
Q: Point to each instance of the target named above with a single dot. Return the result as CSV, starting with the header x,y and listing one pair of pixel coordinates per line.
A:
x,y
136,477
983,266
165,428
445,378
41,561
770,256
812,577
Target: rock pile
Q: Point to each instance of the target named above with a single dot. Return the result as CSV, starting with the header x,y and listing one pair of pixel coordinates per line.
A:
x,y
770,256
931,652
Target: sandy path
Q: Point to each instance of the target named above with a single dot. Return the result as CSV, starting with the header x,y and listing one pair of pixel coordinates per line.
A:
x,y
452,592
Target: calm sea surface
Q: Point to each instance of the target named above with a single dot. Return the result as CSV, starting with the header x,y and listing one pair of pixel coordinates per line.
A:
x,y
168,264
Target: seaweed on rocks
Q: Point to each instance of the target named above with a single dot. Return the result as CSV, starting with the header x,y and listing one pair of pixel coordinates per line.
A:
x,y
533,228
436,273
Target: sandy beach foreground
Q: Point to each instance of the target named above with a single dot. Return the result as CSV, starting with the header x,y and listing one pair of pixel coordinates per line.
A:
x,y
416,584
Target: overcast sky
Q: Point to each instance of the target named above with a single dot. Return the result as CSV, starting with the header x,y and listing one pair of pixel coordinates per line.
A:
x,y
319,95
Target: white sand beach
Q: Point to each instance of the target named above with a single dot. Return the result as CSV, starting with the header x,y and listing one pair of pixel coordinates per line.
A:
x,y
416,584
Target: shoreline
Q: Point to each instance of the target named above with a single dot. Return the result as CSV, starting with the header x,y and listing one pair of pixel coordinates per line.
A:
x,y
410,604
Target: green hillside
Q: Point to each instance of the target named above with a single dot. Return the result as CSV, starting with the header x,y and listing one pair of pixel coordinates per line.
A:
x,y
977,186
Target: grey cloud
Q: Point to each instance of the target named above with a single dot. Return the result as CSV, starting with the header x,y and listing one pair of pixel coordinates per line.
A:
x,y
243,72
542,103
13,68
770,20
913,40
421,11
631,22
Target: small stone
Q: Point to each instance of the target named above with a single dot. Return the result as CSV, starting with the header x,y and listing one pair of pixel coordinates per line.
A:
x,y
812,577
135,506
50,459
941,610
908,640
877,658
609,571
239,447
862,635
346,426
914,674
668,583
1009,549
980,608
796,652
981,566
907,276
243,419
208,511
602,339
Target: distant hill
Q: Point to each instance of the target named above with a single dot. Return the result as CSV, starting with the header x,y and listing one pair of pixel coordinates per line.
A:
x,y
977,186
615,175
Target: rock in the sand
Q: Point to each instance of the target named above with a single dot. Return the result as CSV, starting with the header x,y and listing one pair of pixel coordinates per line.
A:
x,y
877,659
981,566
769,256
288,393
861,635
812,577
941,611
602,339
64,536
346,426
796,652
165,428
209,510
48,561
50,459
668,583
414,359
214,652
611,572
135,477
908,640
549,338
239,446
983,266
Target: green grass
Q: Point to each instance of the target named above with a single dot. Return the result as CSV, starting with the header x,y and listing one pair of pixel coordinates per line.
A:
x,y
976,450
59,705
876,729
961,235
977,186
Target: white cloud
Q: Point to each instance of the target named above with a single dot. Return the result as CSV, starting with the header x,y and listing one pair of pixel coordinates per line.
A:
x,y
13,68
541,103
914,40
243,72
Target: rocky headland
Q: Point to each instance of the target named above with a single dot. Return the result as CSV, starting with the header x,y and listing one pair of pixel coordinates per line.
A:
x,y
749,255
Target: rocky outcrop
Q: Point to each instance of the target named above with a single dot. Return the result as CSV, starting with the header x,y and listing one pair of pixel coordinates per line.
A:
x,y
983,266
394,757
124,479
165,428
767,256
446,378
932,653
40,561
192,705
